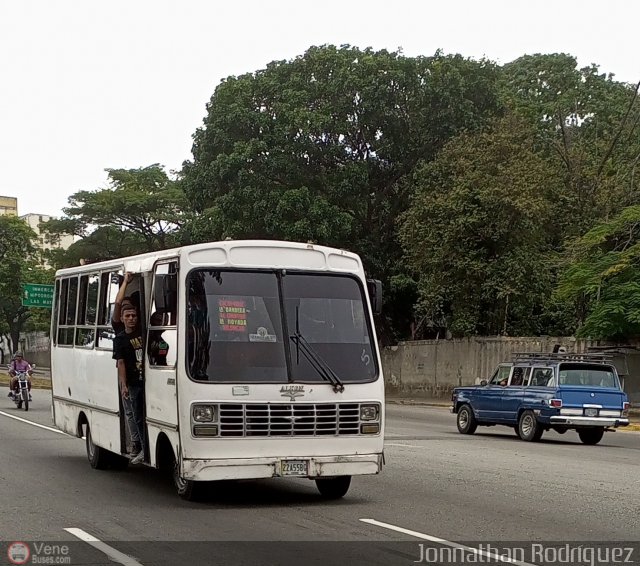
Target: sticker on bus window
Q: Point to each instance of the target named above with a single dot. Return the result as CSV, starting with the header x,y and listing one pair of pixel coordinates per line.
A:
x,y
262,335
232,315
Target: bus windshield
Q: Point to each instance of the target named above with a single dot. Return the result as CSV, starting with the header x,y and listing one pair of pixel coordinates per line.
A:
x,y
243,327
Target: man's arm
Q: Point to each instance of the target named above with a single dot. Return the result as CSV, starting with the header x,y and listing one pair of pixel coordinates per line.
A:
x,y
122,378
120,296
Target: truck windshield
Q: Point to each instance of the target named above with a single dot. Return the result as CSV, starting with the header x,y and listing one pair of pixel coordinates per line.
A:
x,y
590,375
242,327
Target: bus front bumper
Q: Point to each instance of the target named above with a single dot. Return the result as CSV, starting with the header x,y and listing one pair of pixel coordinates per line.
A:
x,y
306,467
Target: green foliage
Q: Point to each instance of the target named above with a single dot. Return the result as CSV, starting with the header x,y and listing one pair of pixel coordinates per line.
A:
x,y
476,234
141,210
588,124
105,242
19,264
603,279
319,148
457,181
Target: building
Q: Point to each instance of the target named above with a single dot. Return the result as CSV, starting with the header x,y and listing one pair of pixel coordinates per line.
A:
x,y
43,241
8,206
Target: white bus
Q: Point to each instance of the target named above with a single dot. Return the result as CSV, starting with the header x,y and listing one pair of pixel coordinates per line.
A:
x,y
270,365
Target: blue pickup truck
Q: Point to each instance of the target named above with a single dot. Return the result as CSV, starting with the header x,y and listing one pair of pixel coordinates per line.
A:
x,y
538,392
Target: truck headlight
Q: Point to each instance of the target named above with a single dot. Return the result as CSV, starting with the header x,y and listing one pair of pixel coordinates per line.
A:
x,y
204,413
369,412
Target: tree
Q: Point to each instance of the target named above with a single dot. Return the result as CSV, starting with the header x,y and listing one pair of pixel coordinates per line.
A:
x,y
603,278
589,123
19,264
319,148
142,207
476,233
103,243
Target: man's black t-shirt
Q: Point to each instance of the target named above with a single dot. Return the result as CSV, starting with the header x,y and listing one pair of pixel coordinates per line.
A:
x,y
128,347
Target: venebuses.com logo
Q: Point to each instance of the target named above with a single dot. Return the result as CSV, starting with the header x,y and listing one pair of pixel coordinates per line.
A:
x,y
18,552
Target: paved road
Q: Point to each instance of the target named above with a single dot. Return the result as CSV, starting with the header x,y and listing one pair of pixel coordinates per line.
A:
x,y
437,483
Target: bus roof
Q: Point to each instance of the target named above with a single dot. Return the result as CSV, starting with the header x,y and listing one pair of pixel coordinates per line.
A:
x,y
316,257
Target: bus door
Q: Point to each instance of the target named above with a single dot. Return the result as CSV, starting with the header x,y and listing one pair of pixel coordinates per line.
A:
x,y
162,348
135,293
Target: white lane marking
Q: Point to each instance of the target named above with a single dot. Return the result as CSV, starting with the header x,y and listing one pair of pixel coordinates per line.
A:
x,y
32,423
403,445
115,555
444,542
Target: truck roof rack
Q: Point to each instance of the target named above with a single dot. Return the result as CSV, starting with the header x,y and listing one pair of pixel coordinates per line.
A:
x,y
561,357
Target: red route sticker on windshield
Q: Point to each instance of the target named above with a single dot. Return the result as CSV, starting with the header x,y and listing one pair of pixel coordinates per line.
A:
x,y
232,315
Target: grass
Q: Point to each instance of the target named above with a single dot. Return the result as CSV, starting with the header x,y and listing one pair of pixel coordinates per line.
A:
x,y
36,382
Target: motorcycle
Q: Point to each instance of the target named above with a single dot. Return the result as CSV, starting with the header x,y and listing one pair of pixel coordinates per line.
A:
x,y
21,392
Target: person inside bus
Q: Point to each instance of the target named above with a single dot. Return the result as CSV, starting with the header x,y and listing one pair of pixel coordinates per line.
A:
x,y
128,350
19,364
158,347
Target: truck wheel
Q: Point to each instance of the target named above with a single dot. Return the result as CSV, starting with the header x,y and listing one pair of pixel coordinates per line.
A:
x,y
529,428
591,435
333,488
466,420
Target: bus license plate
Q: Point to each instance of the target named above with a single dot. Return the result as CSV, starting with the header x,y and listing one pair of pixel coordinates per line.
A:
x,y
294,467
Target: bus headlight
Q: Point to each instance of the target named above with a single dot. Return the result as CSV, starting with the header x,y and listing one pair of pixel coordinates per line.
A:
x,y
369,412
204,413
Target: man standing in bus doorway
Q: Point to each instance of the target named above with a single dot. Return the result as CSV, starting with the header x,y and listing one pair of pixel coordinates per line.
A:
x,y
128,350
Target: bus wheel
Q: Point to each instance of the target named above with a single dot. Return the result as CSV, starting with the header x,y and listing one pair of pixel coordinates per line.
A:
x,y
187,489
98,457
333,488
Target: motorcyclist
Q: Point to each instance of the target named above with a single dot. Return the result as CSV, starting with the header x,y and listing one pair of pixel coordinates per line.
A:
x,y
19,364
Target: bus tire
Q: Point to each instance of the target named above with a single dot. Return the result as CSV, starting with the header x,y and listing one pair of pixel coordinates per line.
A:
x,y
188,490
333,488
98,457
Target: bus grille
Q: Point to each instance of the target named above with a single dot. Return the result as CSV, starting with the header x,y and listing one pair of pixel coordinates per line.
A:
x,y
266,419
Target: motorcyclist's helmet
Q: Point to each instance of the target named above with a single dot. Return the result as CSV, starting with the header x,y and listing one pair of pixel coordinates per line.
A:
x,y
17,355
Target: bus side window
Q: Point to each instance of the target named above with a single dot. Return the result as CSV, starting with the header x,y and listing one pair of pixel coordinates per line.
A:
x,y
109,287
163,334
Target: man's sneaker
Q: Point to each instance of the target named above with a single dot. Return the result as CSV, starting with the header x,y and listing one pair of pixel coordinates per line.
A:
x,y
139,457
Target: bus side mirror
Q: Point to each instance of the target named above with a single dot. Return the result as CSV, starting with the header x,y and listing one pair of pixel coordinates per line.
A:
x,y
374,287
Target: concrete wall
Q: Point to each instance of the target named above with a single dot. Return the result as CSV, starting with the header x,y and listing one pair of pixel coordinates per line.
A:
x,y
36,349
432,368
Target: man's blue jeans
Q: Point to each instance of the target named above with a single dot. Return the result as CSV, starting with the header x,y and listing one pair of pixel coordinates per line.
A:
x,y
134,411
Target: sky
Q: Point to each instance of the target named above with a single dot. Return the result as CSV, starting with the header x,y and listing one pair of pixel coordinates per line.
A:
x,y
87,85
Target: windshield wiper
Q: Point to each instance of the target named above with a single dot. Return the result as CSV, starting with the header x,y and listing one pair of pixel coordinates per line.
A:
x,y
316,361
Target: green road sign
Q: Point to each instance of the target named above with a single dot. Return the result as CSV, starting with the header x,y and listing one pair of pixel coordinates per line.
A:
x,y
37,295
